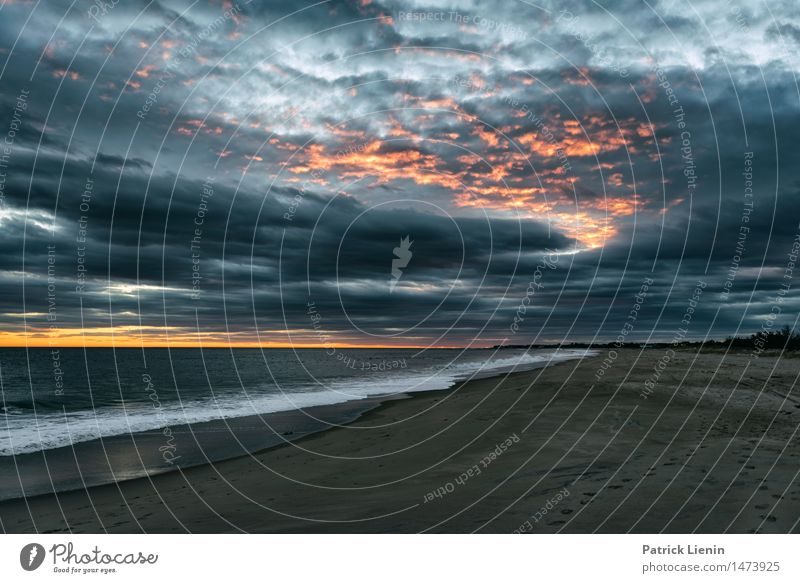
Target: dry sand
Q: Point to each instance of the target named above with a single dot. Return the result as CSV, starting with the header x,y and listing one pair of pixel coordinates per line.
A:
x,y
704,452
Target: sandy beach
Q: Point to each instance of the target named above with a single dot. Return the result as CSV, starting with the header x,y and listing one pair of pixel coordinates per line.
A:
x,y
550,450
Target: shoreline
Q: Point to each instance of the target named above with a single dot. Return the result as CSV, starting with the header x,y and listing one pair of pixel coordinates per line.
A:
x,y
143,454
620,463
139,455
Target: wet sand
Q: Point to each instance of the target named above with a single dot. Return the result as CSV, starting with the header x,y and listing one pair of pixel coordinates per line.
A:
x,y
550,450
149,453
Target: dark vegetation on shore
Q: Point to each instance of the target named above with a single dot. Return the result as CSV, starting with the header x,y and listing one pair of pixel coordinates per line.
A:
x,y
784,339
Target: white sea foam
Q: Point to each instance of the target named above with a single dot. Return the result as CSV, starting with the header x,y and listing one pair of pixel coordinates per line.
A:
x,y
28,433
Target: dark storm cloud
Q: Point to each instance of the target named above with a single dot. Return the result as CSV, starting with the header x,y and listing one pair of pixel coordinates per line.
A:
x,y
281,155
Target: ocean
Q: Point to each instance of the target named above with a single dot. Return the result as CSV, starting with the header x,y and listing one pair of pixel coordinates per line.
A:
x,y
67,408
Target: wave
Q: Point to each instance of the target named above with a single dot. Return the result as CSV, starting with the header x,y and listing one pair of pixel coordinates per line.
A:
x,y
27,433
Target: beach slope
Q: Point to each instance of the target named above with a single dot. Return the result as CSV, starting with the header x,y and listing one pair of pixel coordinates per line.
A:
x,y
711,447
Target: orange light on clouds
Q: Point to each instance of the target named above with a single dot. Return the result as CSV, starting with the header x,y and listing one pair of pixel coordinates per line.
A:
x,y
164,337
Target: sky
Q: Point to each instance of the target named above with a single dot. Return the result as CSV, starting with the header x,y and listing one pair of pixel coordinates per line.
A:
x,y
396,173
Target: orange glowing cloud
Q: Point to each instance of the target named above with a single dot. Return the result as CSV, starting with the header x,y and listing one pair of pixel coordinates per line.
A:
x,y
499,178
145,71
373,160
74,75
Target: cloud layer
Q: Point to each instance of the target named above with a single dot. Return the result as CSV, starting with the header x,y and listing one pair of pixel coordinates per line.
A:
x,y
177,172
